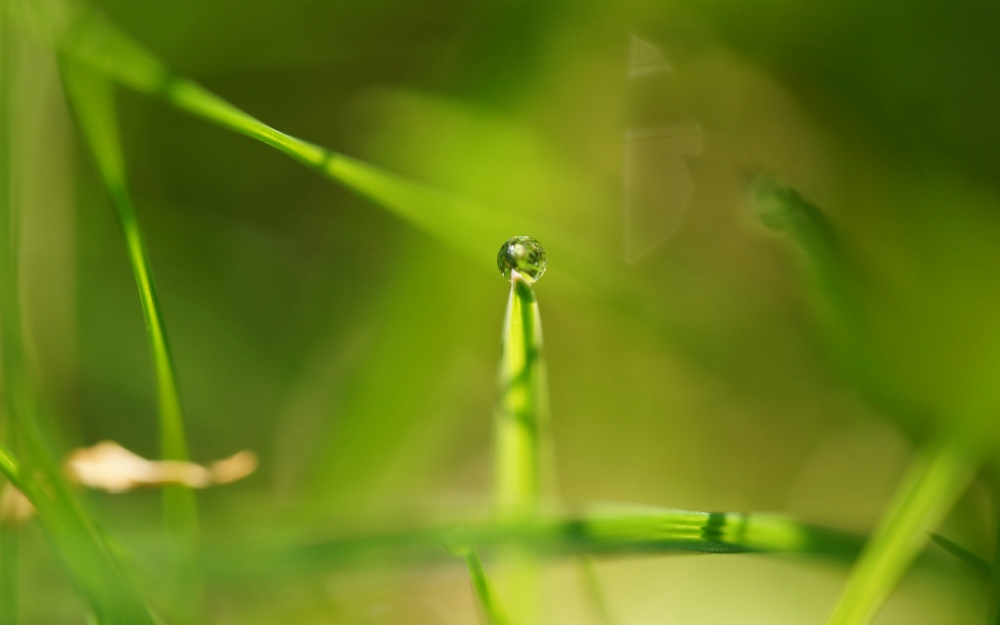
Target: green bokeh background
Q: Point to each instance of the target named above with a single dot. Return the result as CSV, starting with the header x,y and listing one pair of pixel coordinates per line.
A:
x,y
357,355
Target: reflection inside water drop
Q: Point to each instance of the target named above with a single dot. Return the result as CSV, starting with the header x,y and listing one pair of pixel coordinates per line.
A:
x,y
524,255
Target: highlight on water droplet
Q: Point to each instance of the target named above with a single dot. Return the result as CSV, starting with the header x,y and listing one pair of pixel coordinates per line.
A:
x,y
524,255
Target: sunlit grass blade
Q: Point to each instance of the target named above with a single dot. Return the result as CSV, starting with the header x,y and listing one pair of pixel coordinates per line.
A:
x,y
93,100
599,532
934,483
486,595
522,407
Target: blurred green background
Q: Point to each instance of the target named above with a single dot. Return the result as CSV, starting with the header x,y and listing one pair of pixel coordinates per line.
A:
x,y
357,354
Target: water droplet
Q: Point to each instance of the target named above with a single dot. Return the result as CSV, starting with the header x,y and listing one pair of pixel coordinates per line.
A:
x,y
524,255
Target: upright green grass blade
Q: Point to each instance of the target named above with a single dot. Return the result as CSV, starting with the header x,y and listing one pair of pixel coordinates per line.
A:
x,y
935,482
8,532
522,409
91,566
486,596
93,100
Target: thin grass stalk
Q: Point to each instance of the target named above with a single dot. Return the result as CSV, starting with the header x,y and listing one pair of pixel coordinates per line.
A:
x,y
75,539
84,34
93,100
9,567
973,563
517,452
522,406
935,482
8,532
486,596
594,590
993,617
605,532
99,577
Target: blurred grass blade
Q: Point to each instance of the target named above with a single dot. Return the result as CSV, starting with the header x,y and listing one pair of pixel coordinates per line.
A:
x,y
93,100
993,570
8,571
975,564
92,567
782,209
594,590
486,595
603,531
8,531
522,409
935,482
89,37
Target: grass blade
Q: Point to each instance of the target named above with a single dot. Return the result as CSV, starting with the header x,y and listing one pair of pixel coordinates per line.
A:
x,y
594,590
486,595
598,532
75,539
93,569
8,532
521,411
935,482
977,565
993,570
93,100
87,36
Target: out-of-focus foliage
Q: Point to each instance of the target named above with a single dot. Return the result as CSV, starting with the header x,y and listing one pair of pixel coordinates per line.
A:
x,y
357,354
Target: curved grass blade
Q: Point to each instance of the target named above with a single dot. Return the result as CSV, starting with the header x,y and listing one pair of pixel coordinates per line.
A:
x,y
935,482
782,209
93,569
85,35
93,100
486,595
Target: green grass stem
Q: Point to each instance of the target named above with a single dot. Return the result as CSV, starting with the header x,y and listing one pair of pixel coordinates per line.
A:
x,y
974,563
8,532
993,570
606,532
93,100
522,407
594,590
486,595
94,570
934,484
84,34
